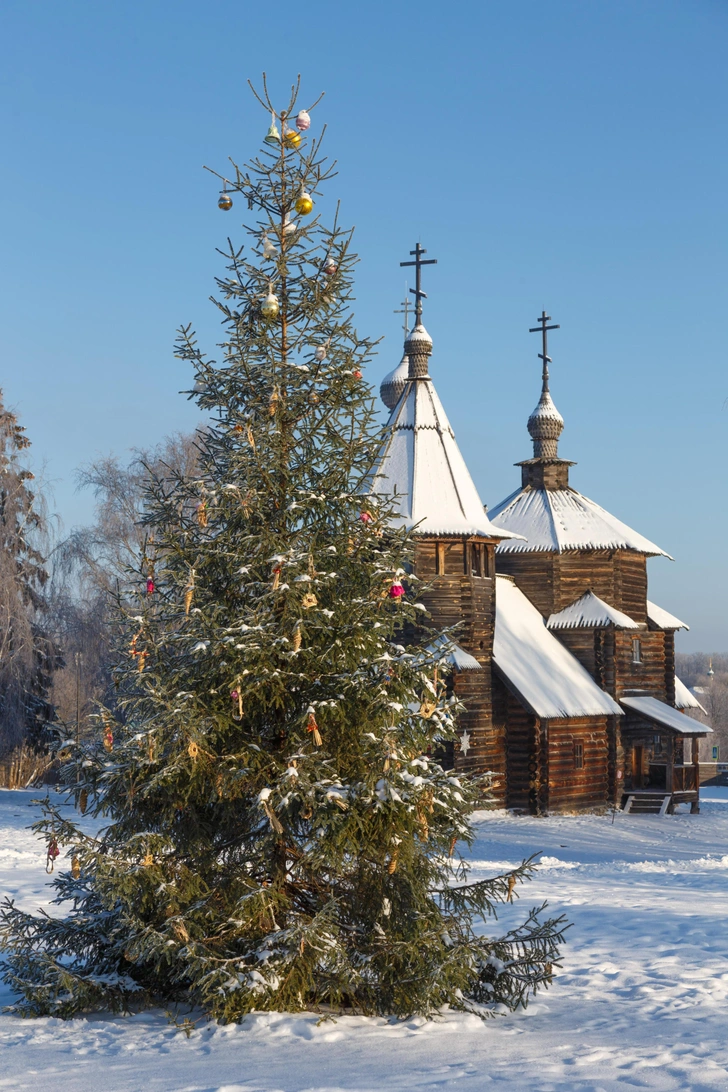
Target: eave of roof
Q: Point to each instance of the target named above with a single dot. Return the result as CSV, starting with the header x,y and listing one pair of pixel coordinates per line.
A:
x,y
556,520
662,618
685,698
456,656
590,612
665,716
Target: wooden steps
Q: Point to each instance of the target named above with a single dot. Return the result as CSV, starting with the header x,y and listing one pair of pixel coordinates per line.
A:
x,y
646,803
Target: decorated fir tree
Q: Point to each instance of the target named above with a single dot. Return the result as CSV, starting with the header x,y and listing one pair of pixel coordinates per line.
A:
x,y
275,831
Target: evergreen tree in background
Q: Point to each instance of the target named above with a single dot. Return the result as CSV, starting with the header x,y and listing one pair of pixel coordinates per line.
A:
x,y
275,834
27,654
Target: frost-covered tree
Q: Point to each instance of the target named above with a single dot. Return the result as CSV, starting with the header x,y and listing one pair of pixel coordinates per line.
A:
x,y
27,654
275,833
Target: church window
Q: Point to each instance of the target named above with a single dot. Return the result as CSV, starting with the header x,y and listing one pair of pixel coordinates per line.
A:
x,y
476,559
578,756
636,650
715,754
439,558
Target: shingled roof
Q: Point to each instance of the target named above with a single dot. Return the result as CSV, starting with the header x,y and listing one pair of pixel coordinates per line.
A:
x,y
420,461
563,519
590,612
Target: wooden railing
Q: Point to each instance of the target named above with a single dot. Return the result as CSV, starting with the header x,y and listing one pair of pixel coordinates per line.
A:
x,y
683,777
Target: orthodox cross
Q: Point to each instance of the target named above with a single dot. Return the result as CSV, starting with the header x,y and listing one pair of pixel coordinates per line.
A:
x,y
544,328
405,310
417,290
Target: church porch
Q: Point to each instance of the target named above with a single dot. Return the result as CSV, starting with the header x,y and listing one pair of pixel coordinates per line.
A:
x,y
661,756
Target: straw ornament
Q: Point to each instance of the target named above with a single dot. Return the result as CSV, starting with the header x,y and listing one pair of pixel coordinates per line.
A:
x,y
313,727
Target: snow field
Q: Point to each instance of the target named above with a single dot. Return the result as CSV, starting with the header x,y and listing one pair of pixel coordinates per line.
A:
x,y
641,1001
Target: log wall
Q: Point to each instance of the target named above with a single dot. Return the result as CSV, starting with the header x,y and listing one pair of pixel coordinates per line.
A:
x,y
651,673
459,596
553,581
518,731
571,788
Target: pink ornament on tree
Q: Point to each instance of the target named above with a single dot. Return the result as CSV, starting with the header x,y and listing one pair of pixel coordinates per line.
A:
x,y
330,267
365,517
396,591
150,585
303,121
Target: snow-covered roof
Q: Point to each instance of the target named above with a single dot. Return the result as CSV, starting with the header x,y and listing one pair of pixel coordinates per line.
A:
x,y
562,519
456,656
685,698
590,612
664,715
545,676
421,463
662,618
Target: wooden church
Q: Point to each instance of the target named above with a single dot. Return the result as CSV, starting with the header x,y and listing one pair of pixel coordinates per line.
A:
x,y
566,670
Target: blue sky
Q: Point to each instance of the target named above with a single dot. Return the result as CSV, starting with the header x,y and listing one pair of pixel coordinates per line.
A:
x,y
568,155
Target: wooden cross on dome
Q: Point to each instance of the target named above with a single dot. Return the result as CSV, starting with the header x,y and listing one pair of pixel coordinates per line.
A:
x,y
405,310
417,290
542,321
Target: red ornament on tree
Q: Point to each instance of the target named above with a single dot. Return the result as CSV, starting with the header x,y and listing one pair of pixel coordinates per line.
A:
x,y
150,585
365,517
330,267
396,591
356,373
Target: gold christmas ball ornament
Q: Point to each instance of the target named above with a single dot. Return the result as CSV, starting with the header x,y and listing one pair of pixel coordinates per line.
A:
x,y
304,203
291,138
225,201
270,307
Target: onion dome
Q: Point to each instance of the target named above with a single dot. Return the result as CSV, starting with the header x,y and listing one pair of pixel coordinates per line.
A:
x,y
545,425
418,348
393,384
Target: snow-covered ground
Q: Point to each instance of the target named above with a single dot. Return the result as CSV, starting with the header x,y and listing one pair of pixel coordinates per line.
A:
x,y
641,1001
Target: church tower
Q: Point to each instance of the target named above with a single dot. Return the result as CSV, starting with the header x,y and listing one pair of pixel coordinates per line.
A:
x,y
420,463
570,545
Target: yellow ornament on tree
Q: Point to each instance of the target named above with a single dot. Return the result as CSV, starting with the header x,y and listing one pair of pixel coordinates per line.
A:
x,y
304,203
270,307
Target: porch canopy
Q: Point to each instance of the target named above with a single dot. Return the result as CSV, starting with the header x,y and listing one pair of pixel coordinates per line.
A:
x,y
665,716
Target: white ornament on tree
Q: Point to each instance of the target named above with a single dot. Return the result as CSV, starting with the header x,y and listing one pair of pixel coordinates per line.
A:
x,y
465,742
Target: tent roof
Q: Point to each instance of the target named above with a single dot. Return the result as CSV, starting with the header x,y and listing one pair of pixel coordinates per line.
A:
x,y
562,519
590,612
421,463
